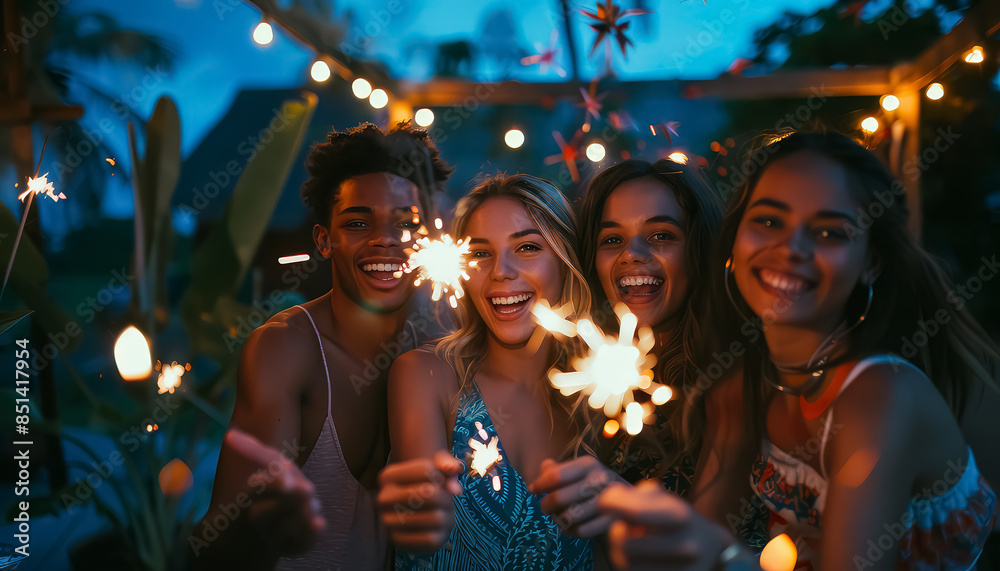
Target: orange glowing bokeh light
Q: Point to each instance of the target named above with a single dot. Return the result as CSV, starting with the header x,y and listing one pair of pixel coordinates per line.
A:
x,y
779,554
175,478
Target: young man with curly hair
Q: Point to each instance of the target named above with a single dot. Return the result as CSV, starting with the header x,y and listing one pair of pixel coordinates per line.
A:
x,y
309,434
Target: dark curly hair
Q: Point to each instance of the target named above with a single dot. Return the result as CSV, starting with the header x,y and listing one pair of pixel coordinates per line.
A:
x,y
403,151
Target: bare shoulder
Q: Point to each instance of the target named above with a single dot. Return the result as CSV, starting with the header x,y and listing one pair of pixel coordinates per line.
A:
x,y
422,368
277,349
896,402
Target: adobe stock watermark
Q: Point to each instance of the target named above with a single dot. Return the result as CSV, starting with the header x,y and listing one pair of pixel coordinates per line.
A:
x,y
211,529
378,366
224,177
31,25
86,311
885,199
166,405
701,40
888,542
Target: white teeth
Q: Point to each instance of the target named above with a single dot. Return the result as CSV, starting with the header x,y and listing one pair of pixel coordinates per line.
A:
x,y
381,267
639,280
784,282
511,299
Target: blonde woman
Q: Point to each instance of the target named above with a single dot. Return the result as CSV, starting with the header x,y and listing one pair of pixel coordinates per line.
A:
x,y
484,388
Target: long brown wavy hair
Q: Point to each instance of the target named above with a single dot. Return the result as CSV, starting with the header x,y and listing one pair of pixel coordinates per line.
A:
x,y
551,213
960,359
677,361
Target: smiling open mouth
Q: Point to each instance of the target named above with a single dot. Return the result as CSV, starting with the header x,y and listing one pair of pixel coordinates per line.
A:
x,y
382,272
510,307
788,286
639,286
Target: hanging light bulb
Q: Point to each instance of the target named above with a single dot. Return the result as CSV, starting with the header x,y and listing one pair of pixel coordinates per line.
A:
x,y
362,89
935,91
869,125
424,117
378,99
263,34
596,152
132,355
514,138
975,55
889,102
320,71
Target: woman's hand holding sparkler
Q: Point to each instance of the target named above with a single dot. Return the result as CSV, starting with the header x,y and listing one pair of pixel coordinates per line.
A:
x,y
415,500
571,490
655,529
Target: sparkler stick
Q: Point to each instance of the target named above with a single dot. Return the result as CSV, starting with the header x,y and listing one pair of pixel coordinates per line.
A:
x,y
39,184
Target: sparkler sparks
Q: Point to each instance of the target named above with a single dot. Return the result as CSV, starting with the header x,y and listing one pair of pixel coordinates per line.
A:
x,y
170,376
41,185
442,262
485,455
612,370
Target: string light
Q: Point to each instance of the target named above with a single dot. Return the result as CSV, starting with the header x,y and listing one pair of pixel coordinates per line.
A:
x,y
320,71
424,117
596,152
975,55
935,91
889,102
263,34
514,138
132,355
362,89
870,124
378,99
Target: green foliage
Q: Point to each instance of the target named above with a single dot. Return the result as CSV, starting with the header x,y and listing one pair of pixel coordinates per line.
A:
x,y
220,264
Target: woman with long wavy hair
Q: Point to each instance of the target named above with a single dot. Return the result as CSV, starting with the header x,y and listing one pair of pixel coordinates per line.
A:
x,y
647,233
482,394
872,389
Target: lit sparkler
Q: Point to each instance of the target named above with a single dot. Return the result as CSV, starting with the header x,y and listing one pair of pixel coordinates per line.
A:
x,y
41,185
170,376
485,455
443,262
613,368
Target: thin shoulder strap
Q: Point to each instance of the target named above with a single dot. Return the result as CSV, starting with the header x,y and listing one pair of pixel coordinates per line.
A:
x,y
326,368
859,368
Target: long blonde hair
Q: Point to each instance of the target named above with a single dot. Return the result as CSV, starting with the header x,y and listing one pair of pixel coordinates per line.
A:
x,y
551,213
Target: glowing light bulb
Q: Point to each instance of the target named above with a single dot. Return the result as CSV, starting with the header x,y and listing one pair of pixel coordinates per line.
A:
x,y
935,91
378,99
514,138
596,152
890,102
361,88
320,71
132,355
870,124
975,55
263,34
424,117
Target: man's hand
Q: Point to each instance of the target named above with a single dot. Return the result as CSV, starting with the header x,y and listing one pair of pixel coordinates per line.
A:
x,y
284,508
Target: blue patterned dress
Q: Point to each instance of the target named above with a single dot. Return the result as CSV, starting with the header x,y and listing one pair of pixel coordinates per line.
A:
x,y
498,522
